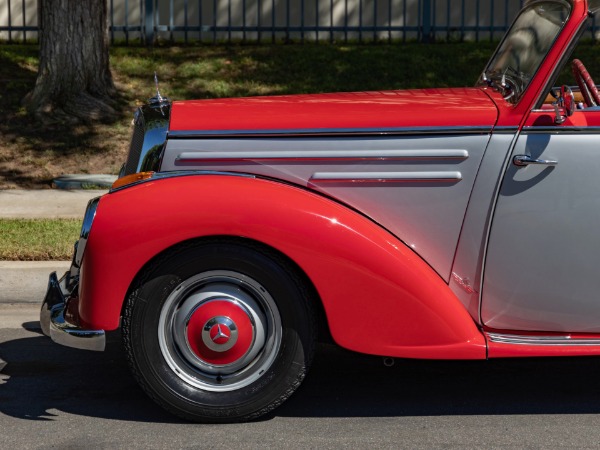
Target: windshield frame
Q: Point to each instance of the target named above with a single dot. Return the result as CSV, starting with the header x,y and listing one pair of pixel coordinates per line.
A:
x,y
562,62
513,88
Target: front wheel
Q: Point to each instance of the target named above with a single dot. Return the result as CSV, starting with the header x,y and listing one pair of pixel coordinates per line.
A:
x,y
220,331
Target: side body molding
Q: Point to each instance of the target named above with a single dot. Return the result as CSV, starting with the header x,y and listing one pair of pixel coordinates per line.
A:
x,y
379,296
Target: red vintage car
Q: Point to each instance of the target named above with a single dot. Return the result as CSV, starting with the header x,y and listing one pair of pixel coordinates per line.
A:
x,y
436,223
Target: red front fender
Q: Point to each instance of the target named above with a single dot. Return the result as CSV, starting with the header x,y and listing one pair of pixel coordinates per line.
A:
x,y
378,295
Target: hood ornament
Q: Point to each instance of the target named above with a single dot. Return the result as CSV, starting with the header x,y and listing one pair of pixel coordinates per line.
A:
x,y
158,96
158,101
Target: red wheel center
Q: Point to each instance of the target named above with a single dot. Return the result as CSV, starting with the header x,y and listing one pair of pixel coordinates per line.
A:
x,y
220,332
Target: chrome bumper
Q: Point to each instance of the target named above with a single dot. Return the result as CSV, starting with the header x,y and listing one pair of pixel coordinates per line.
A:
x,y
54,325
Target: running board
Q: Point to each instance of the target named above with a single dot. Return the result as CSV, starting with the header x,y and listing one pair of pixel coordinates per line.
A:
x,y
502,345
540,340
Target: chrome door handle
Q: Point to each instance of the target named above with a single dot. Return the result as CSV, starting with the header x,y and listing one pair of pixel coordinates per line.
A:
x,y
525,160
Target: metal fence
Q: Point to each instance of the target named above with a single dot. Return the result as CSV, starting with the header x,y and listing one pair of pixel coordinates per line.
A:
x,y
212,21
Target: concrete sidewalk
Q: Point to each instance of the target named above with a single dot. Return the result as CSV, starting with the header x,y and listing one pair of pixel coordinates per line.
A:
x,y
26,281
45,203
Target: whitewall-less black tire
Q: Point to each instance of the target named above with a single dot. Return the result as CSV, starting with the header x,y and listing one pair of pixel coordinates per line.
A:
x,y
220,330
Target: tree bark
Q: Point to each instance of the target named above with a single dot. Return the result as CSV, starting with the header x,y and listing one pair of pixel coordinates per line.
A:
x,y
74,83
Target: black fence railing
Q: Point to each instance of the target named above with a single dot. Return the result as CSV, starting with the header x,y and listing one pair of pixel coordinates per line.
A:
x,y
212,21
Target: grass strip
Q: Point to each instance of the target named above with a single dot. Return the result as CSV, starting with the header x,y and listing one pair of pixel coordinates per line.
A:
x,y
38,239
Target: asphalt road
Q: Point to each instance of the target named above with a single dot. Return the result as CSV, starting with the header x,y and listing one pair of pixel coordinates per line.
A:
x,y
55,397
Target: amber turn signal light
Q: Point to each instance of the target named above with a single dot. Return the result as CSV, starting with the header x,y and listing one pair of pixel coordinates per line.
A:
x,y
130,179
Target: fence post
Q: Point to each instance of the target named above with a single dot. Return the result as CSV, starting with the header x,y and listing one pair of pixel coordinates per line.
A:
x,y
149,22
426,21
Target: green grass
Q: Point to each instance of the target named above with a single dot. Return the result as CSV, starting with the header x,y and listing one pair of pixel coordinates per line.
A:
x,y
243,70
38,239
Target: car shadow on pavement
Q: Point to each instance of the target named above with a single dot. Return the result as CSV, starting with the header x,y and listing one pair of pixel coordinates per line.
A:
x,y
43,380
344,384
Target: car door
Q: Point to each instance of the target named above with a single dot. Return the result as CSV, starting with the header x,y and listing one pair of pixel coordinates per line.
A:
x,y
542,268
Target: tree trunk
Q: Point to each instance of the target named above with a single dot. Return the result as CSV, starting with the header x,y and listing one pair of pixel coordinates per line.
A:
x,y
74,83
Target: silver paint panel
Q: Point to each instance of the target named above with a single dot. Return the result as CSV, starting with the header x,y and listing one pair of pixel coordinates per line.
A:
x,y
420,200
468,263
542,262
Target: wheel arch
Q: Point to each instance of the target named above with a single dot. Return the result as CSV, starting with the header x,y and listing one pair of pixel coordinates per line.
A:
x,y
323,327
379,296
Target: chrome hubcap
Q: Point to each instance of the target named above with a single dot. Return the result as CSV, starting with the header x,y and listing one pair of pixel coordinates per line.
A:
x,y
219,330
219,334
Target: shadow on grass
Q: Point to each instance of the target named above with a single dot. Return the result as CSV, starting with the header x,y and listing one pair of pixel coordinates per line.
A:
x,y
33,154
245,70
31,149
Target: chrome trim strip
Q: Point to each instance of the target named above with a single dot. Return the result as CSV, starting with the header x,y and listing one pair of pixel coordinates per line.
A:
x,y
540,340
180,173
560,130
63,333
54,325
505,130
188,134
151,125
386,176
322,155
55,295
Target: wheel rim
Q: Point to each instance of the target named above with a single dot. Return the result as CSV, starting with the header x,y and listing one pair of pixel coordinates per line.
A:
x,y
219,330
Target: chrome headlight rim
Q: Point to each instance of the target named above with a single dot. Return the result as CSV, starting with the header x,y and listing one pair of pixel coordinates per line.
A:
x,y
86,227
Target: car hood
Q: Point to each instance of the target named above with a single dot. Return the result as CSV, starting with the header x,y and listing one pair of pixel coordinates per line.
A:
x,y
340,112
